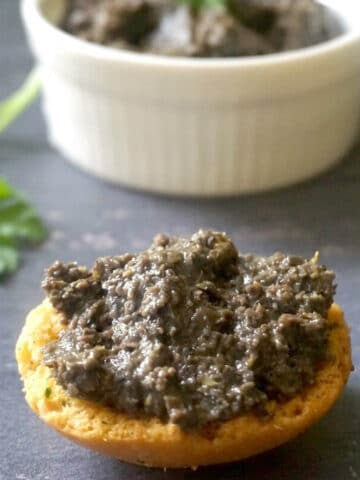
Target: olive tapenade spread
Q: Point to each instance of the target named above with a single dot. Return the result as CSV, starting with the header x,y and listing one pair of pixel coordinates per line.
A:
x,y
227,28
190,330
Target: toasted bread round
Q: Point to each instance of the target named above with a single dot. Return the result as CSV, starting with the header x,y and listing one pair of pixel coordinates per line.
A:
x,y
152,443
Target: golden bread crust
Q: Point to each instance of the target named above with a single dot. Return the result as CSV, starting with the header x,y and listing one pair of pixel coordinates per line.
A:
x,y
150,442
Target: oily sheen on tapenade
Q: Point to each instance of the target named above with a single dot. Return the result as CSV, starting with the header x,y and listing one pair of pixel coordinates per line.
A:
x,y
200,28
189,331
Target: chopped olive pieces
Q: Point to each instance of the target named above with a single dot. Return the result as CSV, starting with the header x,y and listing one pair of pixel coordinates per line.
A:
x,y
190,331
200,28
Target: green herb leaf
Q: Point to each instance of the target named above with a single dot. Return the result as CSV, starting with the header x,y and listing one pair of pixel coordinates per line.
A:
x,y
199,4
9,257
18,220
5,190
19,223
47,392
11,108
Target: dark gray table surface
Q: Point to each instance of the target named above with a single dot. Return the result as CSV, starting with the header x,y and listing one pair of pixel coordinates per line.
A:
x,y
88,218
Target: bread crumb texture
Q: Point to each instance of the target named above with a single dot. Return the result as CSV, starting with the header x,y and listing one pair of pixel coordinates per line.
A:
x,y
152,443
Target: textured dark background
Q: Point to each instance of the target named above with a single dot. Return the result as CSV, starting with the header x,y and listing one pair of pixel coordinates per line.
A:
x,y
88,218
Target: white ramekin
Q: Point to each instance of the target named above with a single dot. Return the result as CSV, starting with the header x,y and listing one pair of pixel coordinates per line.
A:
x,y
198,126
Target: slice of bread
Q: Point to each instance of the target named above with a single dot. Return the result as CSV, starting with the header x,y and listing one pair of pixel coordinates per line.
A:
x,y
152,443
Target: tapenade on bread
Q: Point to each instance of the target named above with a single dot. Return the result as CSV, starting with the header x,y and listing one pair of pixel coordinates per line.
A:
x,y
200,28
186,354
